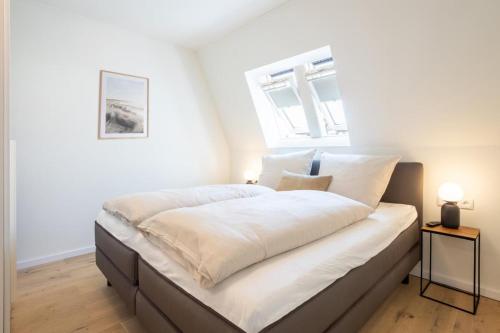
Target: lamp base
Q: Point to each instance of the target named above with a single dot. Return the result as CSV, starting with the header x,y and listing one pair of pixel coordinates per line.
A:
x,y
450,215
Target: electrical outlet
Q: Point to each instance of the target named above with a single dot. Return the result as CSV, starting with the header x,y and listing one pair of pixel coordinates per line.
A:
x,y
464,204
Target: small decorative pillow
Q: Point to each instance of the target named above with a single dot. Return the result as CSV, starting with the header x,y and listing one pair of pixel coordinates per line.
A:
x,y
293,181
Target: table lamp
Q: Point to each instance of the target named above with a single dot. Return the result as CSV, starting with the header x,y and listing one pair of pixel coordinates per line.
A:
x,y
250,177
451,194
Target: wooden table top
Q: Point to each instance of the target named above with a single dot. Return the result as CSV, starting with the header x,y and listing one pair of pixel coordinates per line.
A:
x,y
462,232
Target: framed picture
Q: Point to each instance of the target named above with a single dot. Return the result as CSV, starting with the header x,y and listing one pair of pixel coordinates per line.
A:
x,y
123,106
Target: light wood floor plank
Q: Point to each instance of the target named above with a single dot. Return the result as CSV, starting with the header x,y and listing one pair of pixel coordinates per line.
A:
x,y
71,296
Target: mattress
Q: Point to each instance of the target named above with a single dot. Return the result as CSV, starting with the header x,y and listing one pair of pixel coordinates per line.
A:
x,y
263,293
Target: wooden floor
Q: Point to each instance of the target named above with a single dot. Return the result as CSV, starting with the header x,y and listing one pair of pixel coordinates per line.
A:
x,y
71,296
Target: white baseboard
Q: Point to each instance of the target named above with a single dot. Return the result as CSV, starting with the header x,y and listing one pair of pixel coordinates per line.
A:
x,y
23,264
458,283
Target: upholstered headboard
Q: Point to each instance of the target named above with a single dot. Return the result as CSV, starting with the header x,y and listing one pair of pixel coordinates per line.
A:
x,y
405,186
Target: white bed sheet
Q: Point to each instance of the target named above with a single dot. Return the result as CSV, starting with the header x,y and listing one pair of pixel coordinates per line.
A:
x,y
265,292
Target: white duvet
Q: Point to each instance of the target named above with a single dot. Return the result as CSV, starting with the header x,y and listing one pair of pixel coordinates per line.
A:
x,y
214,241
135,208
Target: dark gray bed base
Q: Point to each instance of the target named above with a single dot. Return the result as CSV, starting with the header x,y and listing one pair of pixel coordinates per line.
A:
x,y
344,306
118,263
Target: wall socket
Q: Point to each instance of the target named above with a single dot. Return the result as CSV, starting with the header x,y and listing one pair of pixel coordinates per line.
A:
x,y
464,204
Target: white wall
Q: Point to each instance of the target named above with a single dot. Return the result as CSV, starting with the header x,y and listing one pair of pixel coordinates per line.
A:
x,y
64,172
418,78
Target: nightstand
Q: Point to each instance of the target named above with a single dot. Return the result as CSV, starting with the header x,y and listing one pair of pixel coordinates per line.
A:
x,y
465,233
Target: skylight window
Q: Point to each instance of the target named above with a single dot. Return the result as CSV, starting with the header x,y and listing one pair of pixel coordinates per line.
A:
x,y
298,101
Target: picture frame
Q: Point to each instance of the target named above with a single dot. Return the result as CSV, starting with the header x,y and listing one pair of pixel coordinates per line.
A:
x,y
123,106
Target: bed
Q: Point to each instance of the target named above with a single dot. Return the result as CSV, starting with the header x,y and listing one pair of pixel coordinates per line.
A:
x,y
164,304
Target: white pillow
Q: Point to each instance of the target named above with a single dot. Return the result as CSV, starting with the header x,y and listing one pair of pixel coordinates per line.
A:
x,y
363,178
274,165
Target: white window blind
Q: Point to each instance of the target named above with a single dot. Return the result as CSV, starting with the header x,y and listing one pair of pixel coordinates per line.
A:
x,y
326,88
284,97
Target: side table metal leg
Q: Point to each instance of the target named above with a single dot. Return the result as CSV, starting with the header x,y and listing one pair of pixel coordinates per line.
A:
x,y
474,284
476,304
421,260
430,257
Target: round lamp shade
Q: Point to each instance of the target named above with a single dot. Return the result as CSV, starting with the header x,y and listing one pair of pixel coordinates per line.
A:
x,y
451,192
